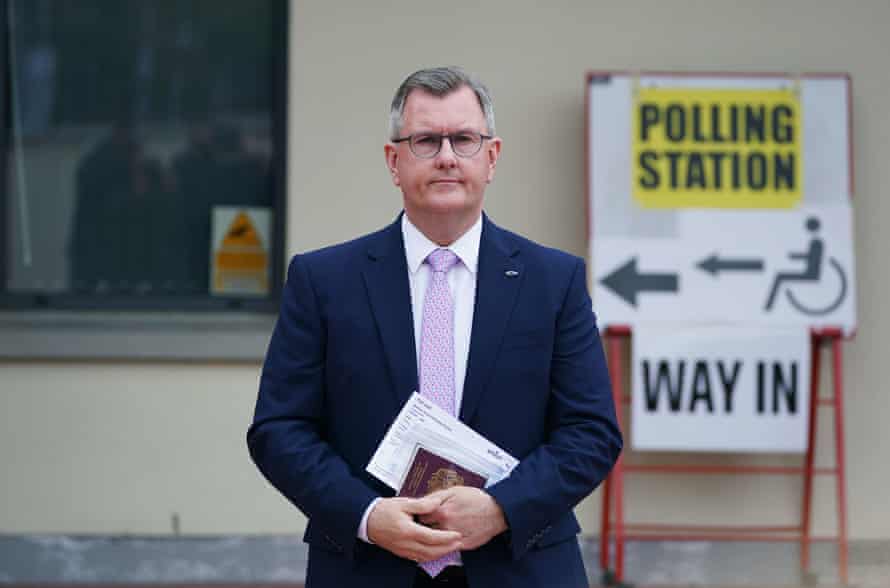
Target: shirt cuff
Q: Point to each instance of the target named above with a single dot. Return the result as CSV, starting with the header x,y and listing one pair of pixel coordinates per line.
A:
x,y
363,526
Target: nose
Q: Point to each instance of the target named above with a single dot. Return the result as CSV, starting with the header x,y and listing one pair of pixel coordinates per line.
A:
x,y
446,158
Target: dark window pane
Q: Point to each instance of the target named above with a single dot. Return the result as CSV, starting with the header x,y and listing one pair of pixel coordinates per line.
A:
x,y
145,149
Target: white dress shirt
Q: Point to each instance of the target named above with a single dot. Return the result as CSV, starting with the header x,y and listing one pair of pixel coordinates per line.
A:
x,y
461,283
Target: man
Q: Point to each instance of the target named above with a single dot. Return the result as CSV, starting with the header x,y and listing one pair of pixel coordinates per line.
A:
x,y
493,327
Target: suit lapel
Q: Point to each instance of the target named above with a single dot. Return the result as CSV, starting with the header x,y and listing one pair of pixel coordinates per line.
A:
x,y
500,275
386,279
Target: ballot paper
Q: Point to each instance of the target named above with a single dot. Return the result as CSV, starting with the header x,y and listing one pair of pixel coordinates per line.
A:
x,y
423,425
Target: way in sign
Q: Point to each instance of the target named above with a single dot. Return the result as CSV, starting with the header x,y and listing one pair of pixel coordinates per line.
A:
x,y
711,385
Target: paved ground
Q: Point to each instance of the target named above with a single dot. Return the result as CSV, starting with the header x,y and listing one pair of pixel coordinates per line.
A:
x,y
761,565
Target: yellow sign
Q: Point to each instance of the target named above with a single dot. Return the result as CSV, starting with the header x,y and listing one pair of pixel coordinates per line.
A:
x,y
241,264
707,148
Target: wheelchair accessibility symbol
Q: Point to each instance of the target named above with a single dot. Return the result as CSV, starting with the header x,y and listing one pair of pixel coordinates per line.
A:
x,y
812,273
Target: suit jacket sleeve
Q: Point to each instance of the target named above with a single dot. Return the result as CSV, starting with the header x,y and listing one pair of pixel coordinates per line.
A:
x,y
286,439
583,436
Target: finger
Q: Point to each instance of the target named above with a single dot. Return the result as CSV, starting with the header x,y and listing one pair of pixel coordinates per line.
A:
x,y
426,553
430,520
434,537
442,495
424,505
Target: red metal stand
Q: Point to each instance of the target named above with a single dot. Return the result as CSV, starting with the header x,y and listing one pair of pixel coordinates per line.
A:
x,y
613,487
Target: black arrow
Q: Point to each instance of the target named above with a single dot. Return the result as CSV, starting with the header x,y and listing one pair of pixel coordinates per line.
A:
x,y
627,282
714,265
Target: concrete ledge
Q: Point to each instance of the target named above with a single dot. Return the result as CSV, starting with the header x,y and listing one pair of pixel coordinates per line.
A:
x,y
135,336
281,560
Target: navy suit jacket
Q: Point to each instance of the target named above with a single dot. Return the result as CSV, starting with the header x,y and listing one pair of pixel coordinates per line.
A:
x,y
342,362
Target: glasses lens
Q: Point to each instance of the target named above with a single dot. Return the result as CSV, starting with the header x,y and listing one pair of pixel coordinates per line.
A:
x,y
466,144
425,145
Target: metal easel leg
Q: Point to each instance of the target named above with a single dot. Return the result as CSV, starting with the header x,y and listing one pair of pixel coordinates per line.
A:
x,y
840,457
616,363
805,526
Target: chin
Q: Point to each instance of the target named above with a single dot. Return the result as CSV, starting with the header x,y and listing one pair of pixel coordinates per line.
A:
x,y
452,205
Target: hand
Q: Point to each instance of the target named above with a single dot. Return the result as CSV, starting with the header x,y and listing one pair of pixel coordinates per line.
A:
x,y
470,511
391,525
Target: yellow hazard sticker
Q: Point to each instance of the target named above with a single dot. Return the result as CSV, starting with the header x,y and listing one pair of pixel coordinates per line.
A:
x,y
241,263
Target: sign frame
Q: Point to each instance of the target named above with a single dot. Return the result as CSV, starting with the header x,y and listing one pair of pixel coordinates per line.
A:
x,y
616,336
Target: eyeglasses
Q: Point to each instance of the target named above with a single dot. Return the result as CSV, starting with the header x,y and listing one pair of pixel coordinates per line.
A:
x,y
428,145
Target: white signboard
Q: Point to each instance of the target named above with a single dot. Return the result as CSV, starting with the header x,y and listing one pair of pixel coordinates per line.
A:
x,y
721,200
717,389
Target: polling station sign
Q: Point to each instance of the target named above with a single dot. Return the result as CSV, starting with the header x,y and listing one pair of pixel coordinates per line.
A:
x,y
723,390
717,148
721,199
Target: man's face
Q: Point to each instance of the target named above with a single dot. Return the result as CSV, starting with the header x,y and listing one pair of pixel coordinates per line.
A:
x,y
445,185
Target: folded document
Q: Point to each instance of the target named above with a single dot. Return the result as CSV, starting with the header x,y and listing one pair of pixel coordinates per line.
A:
x,y
426,449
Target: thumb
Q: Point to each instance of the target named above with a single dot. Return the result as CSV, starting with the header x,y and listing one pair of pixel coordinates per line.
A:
x,y
425,505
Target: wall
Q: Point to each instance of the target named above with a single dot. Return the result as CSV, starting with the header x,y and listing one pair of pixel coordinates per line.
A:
x,y
120,448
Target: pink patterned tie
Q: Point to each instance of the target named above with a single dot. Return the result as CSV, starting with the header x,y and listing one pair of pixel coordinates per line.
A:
x,y
437,356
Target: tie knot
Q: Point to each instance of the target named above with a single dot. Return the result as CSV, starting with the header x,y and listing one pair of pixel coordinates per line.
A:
x,y
442,260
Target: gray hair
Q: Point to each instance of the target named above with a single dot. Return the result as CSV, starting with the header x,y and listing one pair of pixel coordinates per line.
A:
x,y
438,81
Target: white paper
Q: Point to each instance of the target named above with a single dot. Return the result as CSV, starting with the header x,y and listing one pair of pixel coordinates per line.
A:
x,y
422,423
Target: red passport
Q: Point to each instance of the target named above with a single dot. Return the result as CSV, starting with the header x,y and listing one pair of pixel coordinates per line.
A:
x,y
429,472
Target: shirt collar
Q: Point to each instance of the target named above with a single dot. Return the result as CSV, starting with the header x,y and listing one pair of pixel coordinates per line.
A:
x,y
418,246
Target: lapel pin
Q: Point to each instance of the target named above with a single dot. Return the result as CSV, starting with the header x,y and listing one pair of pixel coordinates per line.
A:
x,y
511,273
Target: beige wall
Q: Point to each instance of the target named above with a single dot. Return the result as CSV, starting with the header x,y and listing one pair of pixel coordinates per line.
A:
x,y
119,448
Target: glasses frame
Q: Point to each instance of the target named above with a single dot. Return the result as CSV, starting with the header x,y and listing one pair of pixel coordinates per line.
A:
x,y
442,137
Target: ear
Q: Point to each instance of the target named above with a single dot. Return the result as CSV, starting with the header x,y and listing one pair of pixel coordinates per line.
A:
x,y
391,152
493,151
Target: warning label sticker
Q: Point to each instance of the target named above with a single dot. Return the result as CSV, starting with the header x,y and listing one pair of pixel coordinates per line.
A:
x,y
239,254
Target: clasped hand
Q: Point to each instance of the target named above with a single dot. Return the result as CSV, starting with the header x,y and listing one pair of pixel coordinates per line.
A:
x,y
424,529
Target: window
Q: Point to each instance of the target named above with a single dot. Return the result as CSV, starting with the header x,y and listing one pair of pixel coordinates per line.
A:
x,y
145,143
130,123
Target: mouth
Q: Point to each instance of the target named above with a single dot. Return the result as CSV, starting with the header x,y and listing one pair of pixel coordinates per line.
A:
x,y
446,181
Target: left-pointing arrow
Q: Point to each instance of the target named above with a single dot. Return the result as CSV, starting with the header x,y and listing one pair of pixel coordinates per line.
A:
x,y
716,264
627,282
